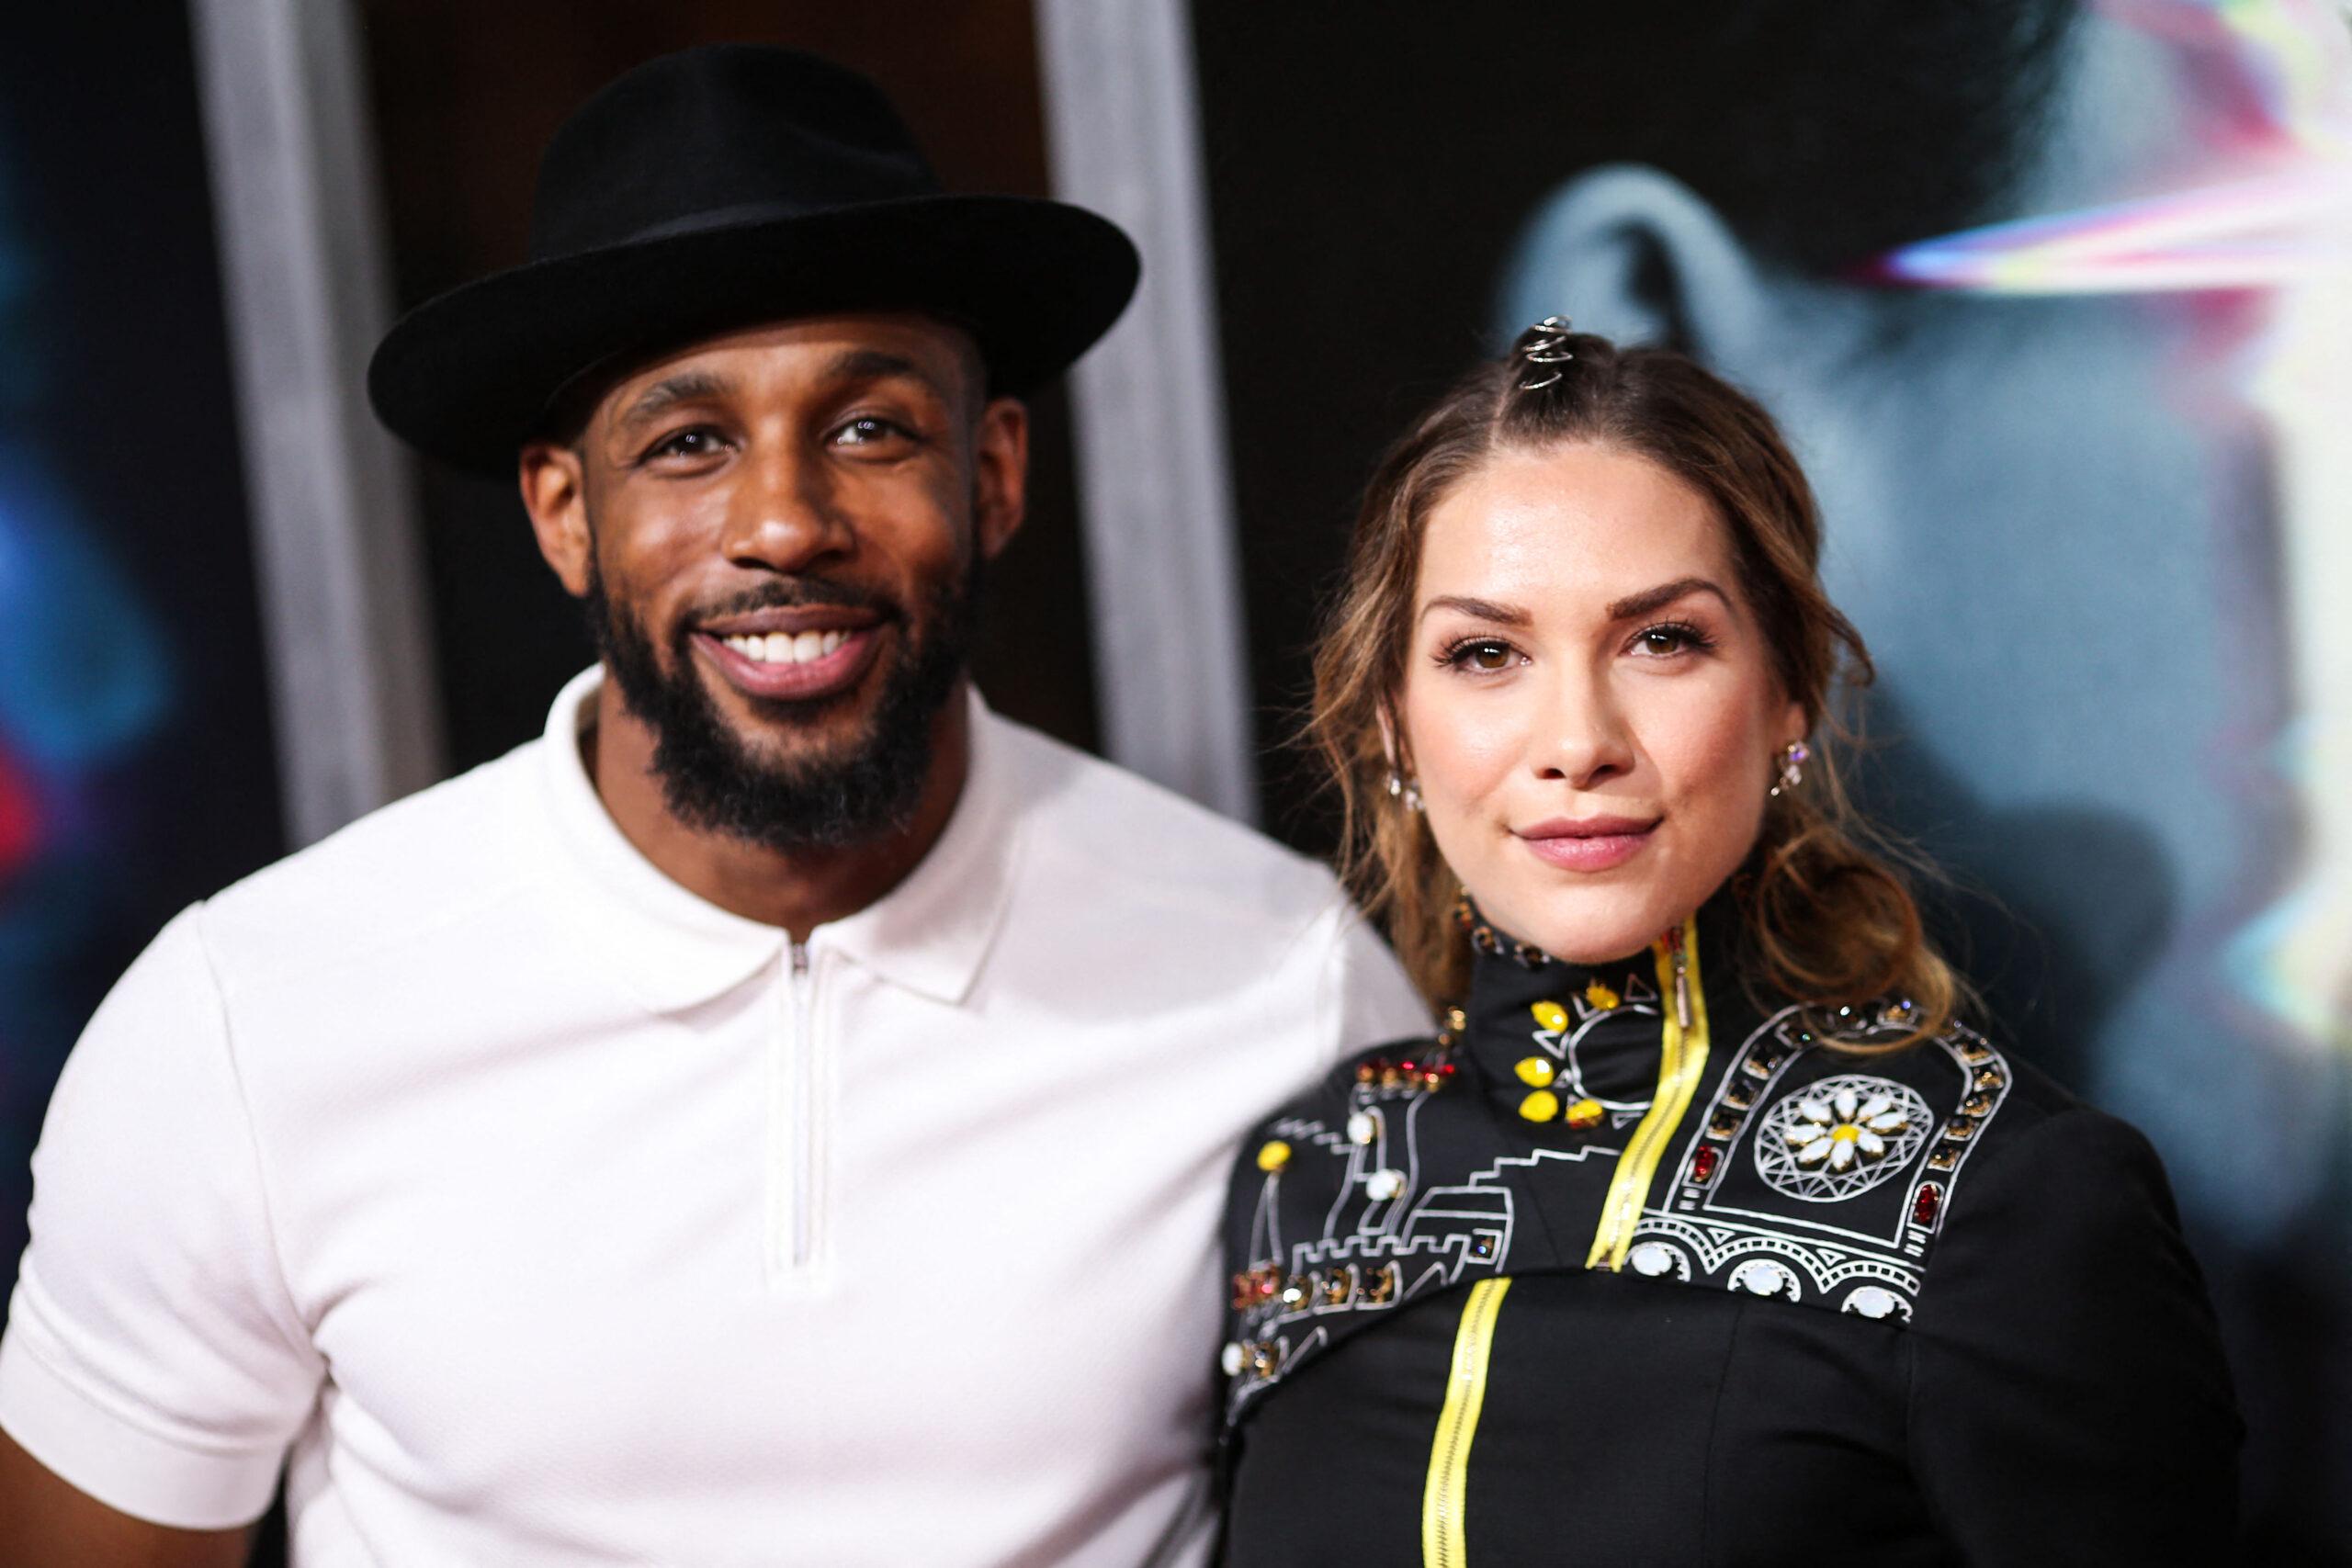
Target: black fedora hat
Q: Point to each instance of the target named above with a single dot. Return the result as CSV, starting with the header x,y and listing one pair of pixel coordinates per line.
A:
x,y
721,187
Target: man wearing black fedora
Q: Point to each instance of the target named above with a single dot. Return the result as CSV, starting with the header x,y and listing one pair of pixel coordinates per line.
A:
x,y
779,1116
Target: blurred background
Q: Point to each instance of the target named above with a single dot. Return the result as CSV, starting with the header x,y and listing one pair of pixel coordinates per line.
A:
x,y
2054,296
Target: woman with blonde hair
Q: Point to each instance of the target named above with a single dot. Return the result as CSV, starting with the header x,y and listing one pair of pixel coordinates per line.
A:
x,y
1708,1228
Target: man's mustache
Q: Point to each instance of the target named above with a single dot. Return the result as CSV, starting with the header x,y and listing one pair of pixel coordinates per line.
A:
x,y
798,594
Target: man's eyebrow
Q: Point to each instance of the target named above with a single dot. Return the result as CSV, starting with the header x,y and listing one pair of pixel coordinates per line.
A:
x,y
1483,609
1665,594
881,365
669,392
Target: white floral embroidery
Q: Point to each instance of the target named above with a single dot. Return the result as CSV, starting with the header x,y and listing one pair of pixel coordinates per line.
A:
x,y
1839,1137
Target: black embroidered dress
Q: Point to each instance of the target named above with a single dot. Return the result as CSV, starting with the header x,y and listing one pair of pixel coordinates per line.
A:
x,y
1592,1284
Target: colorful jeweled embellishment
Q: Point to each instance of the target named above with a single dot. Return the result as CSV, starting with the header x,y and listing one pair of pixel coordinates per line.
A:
x,y
1339,1286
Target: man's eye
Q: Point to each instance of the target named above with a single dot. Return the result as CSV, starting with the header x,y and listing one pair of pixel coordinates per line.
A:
x,y
696,442
868,432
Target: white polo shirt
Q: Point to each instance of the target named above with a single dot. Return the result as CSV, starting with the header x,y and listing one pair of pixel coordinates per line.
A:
x,y
537,1212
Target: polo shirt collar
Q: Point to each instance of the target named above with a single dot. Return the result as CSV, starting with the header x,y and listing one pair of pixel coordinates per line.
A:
x,y
673,949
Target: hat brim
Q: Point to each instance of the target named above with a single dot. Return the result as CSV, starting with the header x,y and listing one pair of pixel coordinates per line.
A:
x,y
467,376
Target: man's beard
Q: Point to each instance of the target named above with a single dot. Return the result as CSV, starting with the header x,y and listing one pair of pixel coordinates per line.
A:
x,y
711,781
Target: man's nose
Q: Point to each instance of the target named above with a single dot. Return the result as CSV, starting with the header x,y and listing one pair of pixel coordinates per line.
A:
x,y
1581,734
785,516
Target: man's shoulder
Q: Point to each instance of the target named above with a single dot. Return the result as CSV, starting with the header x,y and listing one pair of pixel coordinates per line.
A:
x,y
418,864
1146,841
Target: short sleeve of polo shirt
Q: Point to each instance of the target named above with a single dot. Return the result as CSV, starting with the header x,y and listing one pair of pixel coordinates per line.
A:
x,y
153,1358
1377,1002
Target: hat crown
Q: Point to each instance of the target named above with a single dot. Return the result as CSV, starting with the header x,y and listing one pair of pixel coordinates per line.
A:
x,y
718,135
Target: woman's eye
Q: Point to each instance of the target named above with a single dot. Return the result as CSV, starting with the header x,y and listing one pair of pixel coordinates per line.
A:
x,y
1663,641
1485,656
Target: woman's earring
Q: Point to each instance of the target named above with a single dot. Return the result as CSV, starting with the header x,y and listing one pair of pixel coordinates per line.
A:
x,y
1793,756
1404,789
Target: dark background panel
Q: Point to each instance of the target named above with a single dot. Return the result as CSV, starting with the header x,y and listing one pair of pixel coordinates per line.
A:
x,y
465,94
135,740
1355,221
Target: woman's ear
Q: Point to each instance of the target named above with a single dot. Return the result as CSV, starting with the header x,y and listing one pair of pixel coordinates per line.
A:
x,y
1794,724
1388,745
1639,258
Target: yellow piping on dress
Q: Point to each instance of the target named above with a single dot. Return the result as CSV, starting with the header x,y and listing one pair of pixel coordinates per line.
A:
x,y
1682,1062
1444,1543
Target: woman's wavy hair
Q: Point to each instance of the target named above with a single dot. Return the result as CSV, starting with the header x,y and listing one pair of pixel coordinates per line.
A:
x,y
1828,912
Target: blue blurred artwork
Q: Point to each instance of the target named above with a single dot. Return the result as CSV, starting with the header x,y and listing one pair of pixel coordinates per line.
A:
x,y
85,682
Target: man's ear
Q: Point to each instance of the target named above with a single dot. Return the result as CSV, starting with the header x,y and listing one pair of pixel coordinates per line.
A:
x,y
555,494
1639,257
1000,475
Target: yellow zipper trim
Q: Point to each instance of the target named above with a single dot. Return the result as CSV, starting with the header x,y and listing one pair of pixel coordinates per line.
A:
x,y
1444,1543
1682,1062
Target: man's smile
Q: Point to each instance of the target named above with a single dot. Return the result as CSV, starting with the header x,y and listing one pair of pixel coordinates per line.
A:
x,y
813,664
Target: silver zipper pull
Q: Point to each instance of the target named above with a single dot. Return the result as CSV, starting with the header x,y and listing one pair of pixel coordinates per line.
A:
x,y
1682,978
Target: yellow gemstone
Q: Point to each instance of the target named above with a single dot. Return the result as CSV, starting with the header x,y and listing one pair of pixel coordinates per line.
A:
x,y
1602,997
1844,1133
1541,1106
1550,1015
1274,1156
1534,1070
1586,1113
1456,1020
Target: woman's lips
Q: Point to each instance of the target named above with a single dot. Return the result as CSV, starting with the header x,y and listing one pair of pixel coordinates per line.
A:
x,y
1593,843
790,679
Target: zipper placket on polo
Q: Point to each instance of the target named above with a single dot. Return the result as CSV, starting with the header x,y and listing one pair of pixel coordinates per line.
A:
x,y
796,1217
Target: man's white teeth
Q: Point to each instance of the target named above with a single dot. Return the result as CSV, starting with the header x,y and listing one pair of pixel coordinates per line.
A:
x,y
784,648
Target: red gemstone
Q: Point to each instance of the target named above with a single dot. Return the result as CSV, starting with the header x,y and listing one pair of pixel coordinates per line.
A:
x,y
1702,1164
1924,1207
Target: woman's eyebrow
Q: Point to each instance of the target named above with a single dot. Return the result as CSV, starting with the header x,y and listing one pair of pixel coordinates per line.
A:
x,y
1483,609
1665,594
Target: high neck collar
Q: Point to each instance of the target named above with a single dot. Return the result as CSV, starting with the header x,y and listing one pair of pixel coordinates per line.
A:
x,y
1520,999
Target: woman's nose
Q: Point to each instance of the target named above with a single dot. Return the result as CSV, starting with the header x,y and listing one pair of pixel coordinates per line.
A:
x,y
1581,737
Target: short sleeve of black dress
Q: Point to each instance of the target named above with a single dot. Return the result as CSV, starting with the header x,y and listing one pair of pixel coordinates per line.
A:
x,y
2068,1400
